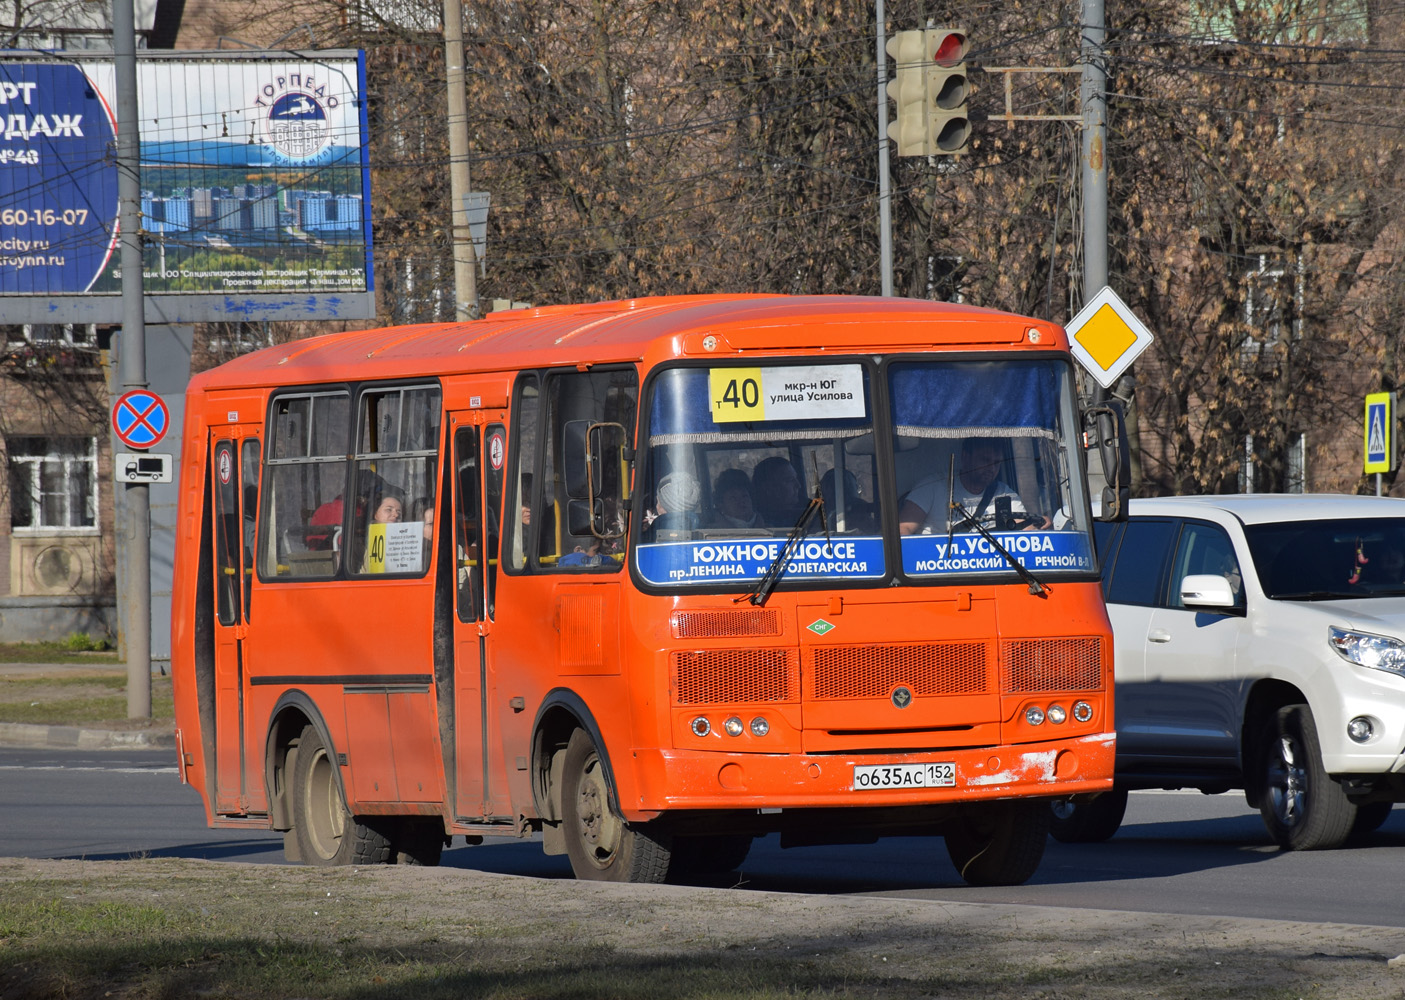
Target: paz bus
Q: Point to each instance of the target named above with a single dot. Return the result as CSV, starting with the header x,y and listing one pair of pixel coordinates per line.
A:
x,y
648,579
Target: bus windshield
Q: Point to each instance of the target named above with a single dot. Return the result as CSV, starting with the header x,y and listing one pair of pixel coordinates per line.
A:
x,y
733,456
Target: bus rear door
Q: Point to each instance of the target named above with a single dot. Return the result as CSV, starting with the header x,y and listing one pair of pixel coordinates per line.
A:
x,y
235,472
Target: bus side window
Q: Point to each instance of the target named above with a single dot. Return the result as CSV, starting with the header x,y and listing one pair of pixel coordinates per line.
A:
x,y
517,512
396,458
301,524
469,571
249,476
606,401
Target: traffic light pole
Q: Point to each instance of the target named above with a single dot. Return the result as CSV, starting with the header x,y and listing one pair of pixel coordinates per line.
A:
x,y
133,361
885,193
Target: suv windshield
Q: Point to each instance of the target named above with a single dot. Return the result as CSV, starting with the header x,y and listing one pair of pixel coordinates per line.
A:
x,y
733,455
1329,560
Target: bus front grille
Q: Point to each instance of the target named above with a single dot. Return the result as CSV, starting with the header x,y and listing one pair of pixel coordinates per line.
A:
x,y
726,624
925,669
1074,664
717,676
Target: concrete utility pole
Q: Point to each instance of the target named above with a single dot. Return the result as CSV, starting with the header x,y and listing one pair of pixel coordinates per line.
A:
x,y
133,362
465,257
1094,104
885,194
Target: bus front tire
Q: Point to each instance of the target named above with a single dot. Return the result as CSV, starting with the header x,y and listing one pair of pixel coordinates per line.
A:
x,y
999,843
601,845
327,834
1088,822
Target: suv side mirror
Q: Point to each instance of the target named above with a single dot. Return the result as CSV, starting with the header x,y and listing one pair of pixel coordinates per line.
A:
x,y
1207,590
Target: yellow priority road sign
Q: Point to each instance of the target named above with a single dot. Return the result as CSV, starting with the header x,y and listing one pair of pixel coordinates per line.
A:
x,y
1106,337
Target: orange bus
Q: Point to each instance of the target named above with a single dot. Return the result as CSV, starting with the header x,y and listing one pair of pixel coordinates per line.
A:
x,y
647,578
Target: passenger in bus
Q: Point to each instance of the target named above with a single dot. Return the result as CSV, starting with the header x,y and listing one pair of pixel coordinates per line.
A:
x,y
780,498
979,489
731,499
859,515
386,509
676,503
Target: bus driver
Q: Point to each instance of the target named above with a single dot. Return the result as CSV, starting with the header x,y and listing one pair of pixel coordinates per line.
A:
x,y
979,489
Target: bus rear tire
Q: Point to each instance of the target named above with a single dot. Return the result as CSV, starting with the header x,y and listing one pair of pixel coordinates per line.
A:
x,y
327,833
1000,843
602,846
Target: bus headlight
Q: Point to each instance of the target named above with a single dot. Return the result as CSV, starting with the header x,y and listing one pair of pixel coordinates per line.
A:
x,y
1034,715
733,725
759,726
1379,652
1057,714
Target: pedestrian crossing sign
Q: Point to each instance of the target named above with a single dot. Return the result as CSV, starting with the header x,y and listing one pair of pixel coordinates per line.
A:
x,y
1381,448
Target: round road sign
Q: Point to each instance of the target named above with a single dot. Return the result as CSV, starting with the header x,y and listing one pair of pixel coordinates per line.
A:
x,y
140,419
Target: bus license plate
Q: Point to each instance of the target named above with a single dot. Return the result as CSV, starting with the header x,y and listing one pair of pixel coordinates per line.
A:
x,y
870,776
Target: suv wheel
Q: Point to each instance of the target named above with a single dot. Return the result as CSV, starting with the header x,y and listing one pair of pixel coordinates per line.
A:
x,y
1303,808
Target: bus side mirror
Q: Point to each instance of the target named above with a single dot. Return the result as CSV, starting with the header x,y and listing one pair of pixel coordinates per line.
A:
x,y
595,465
576,460
1106,428
582,517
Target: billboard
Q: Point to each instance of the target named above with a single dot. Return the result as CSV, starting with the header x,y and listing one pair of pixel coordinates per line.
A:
x,y
255,187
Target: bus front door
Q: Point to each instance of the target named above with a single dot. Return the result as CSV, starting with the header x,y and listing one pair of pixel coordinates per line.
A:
x,y
234,469
480,449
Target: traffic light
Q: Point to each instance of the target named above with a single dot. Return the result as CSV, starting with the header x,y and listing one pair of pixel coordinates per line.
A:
x,y
930,88
908,88
949,125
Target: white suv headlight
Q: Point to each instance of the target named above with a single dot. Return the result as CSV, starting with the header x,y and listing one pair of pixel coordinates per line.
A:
x,y
1377,651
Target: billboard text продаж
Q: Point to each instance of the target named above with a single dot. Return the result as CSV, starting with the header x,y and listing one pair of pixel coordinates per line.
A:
x,y
254,180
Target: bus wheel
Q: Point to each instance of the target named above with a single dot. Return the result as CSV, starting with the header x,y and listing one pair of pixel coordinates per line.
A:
x,y
419,841
1000,843
708,855
601,845
1088,822
327,833
1303,808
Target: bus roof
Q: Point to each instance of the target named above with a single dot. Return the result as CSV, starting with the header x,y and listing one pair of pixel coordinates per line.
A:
x,y
624,330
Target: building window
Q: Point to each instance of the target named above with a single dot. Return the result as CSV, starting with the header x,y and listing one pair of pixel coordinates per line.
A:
x,y
53,482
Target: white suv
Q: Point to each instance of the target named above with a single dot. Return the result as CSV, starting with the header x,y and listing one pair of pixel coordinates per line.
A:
x,y
1260,644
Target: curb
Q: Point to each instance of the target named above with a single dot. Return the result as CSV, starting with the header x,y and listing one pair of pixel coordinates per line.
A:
x,y
21,734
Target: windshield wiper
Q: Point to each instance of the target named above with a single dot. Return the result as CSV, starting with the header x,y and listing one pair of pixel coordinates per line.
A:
x,y
772,576
1035,587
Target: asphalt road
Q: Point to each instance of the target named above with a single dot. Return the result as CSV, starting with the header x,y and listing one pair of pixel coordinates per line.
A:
x,y
1176,852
